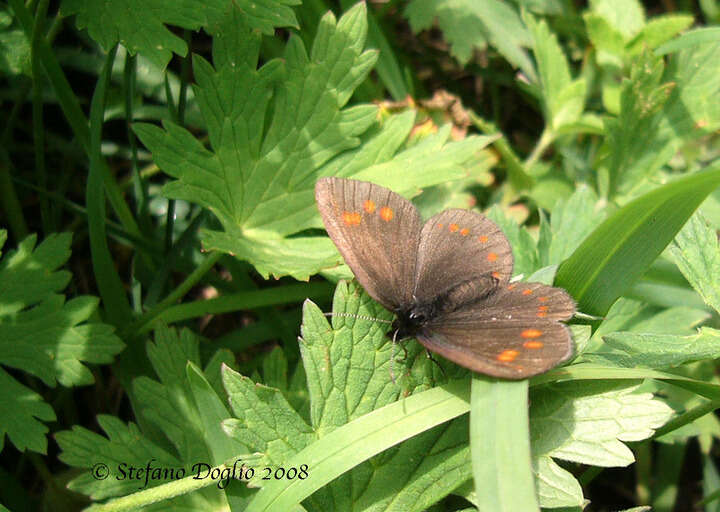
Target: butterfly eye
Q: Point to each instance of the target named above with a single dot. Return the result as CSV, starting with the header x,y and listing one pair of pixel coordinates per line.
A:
x,y
419,317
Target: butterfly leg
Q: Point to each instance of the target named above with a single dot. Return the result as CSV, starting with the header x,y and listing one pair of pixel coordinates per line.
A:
x,y
392,357
442,370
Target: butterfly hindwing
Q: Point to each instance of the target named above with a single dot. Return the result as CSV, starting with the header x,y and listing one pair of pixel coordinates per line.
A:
x,y
507,349
529,301
514,333
372,228
463,253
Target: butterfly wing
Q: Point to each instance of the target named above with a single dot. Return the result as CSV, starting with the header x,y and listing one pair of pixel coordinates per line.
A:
x,y
513,334
462,256
377,233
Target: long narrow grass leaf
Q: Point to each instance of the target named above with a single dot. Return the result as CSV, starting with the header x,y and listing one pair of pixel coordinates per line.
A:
x,y
109,283
622,248
500,446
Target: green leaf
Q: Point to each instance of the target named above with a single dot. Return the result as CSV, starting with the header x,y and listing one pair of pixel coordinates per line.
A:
x,y
588,371
124,446
185,416
695,37
22,412
131,21
211,412
711,484
621,315
468,25
660,111
641,101
625,16
696,252
571,221
353,355
14,47
588,422
433,156
264,420
275,369
29,274
659,30
49,341
556,487
299,257
43,335
608,41
676,320
259,176
622,248
308,127
547,7
171,403
659,351
563,99
523,246
388,66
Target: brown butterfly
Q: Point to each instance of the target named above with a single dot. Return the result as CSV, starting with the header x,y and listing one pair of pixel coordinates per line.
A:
x,y
447,281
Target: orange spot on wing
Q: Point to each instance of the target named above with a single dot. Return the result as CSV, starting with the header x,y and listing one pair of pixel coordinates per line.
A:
x,y
542,299
483,238
531,333
369,205
533,344
527,291
386,214
440,225
351,218
542,314
492,256
543,308
510,287
464,231
507,356
453,227
496,275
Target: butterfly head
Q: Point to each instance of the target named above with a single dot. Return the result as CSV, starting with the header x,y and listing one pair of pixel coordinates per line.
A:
x,y
411,320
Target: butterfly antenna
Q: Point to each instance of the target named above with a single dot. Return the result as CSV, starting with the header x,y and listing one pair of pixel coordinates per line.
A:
x,y
359,317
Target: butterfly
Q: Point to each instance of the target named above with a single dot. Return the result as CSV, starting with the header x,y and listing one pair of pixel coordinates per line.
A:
x,y
447,281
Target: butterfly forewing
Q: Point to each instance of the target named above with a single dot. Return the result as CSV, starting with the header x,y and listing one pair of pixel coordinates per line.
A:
x,y
462,253
375,230
513,333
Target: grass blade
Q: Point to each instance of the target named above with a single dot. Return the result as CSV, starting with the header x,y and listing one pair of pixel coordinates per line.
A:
x,y
500,446
623,247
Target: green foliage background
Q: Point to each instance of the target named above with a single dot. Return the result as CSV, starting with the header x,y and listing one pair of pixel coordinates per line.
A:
x,y
164,270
